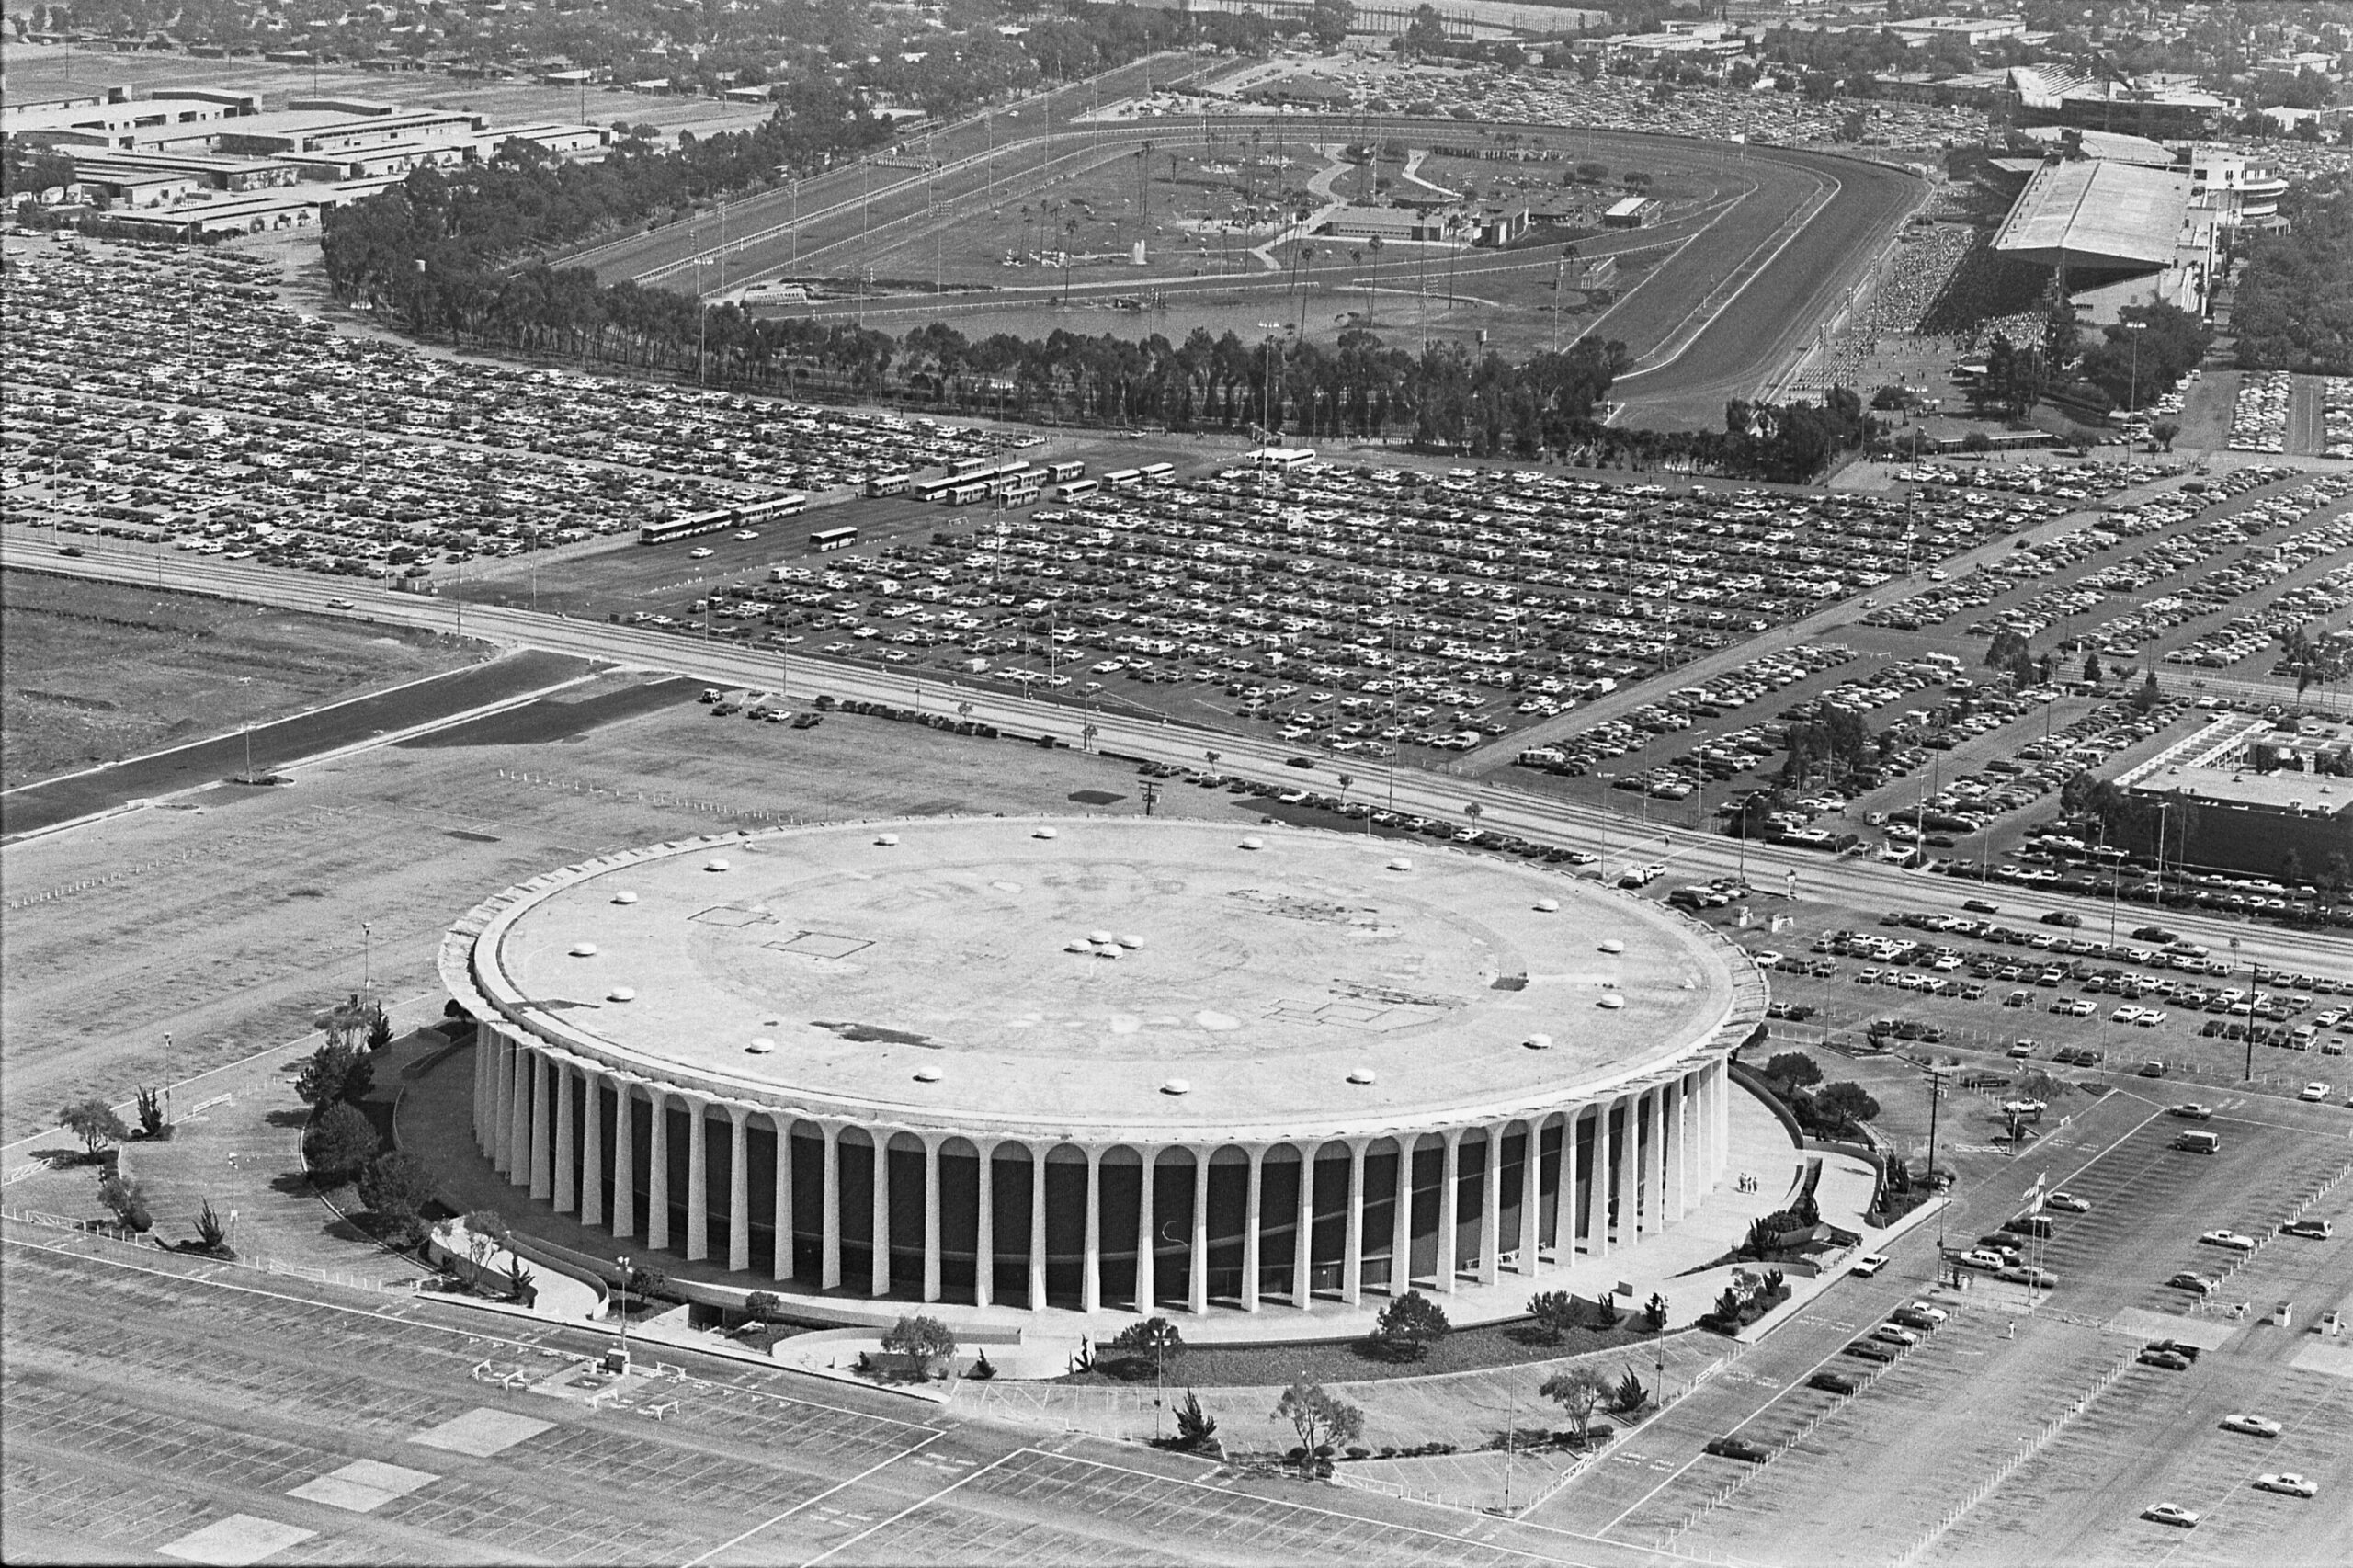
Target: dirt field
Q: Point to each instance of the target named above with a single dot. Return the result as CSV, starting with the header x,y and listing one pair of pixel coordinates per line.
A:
x,y
406,839
93,674
36,71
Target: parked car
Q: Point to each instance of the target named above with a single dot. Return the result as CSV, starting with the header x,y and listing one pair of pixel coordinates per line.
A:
x,y
2314,1229
2288,1484
2193,1112
1835,1383
1870,1262
1894,1334
2067,1203
1739,1449
2314,1092
2253,1425
2167,1514
1871,1350
2195,1283
2165,1358
2228,1239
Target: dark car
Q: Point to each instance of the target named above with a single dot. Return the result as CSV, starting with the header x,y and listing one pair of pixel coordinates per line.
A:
x,y
2182,1349
807,721
1835,1383
1979,907
1739,1449
70,549
1299,762
2063,918
1872,1351
2169,1360
1908,1318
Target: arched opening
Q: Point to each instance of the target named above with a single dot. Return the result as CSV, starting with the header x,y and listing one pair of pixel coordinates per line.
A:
x,y
1119,1199
1172,1224
1010,1176
960,1218
854,1204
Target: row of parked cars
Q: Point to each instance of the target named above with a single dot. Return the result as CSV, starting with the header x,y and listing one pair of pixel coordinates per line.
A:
x,y
2259,412
1400,607
171,395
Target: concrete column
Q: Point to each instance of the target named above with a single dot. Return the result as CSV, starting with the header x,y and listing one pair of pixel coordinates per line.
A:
x,y
592,1150
698,1178
1678,1149
486,1049
1602,1186
1196,1277
502,1113
931,1218
1090,1277
739,1188
1250,1204
1491,1208
1531,1196
1725,1090
1638,1168
1038,1227
1352,1243
1401,1219
518,1115
658,1174
1303,1249
565,1168
783,1120
829,1263
1450,1212
624,1159
878,1281
985,1230
1147,1235
1565,1193
542,1071
1655,1212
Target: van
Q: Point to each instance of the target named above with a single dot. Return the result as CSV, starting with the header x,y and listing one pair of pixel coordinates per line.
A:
x,y
2199,1143
2033,1225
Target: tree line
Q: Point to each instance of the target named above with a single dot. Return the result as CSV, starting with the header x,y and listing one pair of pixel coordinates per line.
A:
x,y
2294,307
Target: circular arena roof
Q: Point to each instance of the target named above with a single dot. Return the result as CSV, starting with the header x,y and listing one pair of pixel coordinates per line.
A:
x,y
1102,977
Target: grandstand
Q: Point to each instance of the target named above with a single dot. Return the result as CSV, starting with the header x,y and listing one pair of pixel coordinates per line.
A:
x,y
2117,234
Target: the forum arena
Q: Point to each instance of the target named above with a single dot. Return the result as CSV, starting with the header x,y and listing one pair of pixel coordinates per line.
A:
x,y
1118,1064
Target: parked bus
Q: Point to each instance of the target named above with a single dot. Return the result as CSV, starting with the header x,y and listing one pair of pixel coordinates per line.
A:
x,y
889,483
965,494
1064,472
960,466
1120,478
824,539
1072,488
790,503
931,489
1021,493
686,527
1157,470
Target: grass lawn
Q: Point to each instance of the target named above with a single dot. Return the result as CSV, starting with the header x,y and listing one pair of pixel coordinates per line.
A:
x,y
1252,1365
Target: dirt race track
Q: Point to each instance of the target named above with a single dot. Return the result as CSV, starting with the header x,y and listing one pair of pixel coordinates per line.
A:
x,y
1740,290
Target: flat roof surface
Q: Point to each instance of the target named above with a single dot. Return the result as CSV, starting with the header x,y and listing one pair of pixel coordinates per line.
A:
x,y
2317,794
1262,978
2095,211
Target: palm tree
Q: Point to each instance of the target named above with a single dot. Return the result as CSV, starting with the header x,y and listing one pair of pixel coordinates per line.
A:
x,y
1474,811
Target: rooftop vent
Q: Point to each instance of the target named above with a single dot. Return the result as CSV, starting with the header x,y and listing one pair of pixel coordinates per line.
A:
x,y
1254,844
620,994
1613,946
1401,864
1178,1086
1362,1075
761,1045
1547,905
624,898
717,865
1538,1042
1045,833
887,840
926,1074
1613,999
584,950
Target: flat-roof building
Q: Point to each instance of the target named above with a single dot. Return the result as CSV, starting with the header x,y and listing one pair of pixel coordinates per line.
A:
x,y
1115,1066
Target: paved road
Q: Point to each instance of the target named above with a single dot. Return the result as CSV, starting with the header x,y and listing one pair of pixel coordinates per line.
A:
x,y
32,807
1858,883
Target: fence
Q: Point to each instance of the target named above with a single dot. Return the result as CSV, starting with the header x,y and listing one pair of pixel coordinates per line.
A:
x,y
2026,1451
648,796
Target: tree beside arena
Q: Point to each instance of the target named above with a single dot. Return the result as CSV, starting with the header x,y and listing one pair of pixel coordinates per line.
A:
x,y
2294,306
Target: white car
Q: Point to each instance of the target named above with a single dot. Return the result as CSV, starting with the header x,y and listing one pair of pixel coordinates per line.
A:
x,y
2253,1425
2288,1484
746,534
1934,1315
1870,1262
700,552
341,604
2127,1014
2067,1203
2167,1514
1894,1334
1981,1257
2230,1239
2314,1092
2023,1107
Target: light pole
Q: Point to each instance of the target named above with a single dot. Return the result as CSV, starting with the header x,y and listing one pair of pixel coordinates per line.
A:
x,y
167,1076
2136,328
626,1299
366,958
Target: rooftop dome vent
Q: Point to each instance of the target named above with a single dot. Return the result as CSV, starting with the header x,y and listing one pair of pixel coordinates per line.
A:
x,y
620,994
584,950
1178,1086
624,898
761,1045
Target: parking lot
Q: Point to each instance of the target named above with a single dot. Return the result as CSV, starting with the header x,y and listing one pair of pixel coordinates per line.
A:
x,y
168,399
2036,1404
